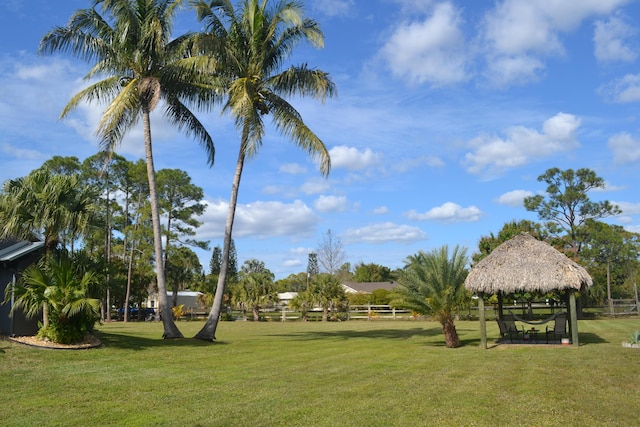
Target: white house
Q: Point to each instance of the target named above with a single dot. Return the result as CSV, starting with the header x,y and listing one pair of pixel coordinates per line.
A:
x,y
188,298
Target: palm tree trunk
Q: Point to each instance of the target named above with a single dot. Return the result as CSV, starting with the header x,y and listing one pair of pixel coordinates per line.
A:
x,y
609,289
170,328
256,314
208,331
450,334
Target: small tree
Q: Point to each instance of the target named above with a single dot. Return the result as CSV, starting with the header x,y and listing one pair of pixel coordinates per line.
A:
x,y
331,254
433,284
327,293
59,287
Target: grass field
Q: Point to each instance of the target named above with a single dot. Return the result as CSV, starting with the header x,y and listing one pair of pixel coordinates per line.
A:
x,y
357,373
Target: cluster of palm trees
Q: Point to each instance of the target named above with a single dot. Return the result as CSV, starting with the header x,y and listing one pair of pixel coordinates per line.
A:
x,y
236,61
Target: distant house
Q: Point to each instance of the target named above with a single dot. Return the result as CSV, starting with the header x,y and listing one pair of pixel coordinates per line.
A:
x,y
284,298
15,256
367,287
190,299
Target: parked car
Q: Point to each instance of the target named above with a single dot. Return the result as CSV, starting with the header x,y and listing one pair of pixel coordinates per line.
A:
x,y
134,312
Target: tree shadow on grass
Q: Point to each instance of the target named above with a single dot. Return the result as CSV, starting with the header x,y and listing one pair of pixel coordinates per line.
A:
x,y
396,334
129,342
590,338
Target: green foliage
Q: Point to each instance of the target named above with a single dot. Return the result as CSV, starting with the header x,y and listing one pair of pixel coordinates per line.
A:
x,y
372,272
567,204
635,337
58,291
359,298
328,293
509,230
433,284
380,297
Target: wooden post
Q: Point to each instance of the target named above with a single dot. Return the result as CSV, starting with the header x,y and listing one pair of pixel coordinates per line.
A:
x,y
573,318
483,323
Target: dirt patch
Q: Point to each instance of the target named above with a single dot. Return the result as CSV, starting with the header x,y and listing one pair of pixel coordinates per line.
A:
x,y
89,341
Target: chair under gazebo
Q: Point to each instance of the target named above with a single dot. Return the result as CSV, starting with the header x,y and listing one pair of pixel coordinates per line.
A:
x,y
525,264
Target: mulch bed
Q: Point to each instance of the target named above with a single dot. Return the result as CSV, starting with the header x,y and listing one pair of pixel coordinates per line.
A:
x,y
89,341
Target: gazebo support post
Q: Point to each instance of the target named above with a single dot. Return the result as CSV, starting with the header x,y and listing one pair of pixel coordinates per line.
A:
x,y
483,322
573,318
500,305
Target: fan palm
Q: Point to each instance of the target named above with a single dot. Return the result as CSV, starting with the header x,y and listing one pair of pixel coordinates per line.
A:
x,y
253,44
59,287
131,47
433,284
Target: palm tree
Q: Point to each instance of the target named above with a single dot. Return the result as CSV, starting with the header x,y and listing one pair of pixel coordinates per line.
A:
x,y
255,43
327,292
433,284
47,204
130,45
255,290
58,286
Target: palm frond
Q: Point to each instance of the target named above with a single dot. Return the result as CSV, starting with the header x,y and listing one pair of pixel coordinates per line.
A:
x,y
289,122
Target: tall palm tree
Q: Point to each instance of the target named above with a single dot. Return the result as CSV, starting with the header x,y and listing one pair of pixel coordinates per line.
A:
x,y
255,42
432,283
131,47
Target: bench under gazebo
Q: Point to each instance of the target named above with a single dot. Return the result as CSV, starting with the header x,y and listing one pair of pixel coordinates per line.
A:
x,y
525,264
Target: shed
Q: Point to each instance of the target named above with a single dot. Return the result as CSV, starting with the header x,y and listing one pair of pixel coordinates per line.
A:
x,y
524,264
15,256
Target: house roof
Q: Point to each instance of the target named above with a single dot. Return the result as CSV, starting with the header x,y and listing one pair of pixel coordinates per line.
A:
x,y
367,287
526,264
10,251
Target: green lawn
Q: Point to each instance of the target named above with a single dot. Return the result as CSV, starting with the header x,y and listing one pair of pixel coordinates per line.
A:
x,y
357,373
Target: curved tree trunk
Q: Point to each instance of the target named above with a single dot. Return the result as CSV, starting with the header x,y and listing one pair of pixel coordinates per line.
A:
x,y
170,328
208,331
450,334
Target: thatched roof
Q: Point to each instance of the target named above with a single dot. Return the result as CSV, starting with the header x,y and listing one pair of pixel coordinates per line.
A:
x,y
525,264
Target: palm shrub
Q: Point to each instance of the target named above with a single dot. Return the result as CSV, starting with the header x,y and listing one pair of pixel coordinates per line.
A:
x,y
58,286
328,293
432,283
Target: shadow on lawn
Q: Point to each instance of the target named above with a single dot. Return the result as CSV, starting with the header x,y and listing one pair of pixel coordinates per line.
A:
x,y
128,342
397,334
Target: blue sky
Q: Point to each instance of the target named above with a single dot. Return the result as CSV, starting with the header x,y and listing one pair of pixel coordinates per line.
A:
x,y
446,114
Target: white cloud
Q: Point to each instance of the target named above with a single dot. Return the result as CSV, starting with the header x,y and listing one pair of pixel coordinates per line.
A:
x,y
611,40
259,220
351,158
432,50
449,212
628,208
520,145
331,203
518,34
623,90
293,169
625,148
422,161
514,198
292,263
381,210
20,153
333,7
315,186
384,233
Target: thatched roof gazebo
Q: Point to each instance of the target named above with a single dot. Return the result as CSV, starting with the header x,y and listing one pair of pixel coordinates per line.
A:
x,y
525,264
